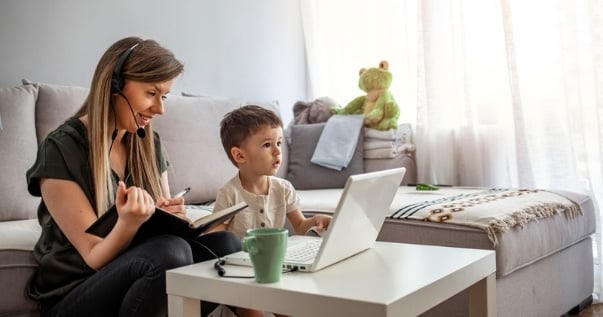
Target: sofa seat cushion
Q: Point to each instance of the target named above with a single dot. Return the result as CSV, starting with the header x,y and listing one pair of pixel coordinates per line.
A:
x,y
17,264
517,248
19,234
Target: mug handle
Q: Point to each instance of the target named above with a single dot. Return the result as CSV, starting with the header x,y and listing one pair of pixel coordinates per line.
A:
x,y
248,245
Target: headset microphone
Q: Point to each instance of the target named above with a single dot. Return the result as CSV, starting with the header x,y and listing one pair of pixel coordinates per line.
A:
x,y
140,131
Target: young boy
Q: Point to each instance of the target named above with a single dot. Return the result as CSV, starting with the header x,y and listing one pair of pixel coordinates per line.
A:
x,y
252,138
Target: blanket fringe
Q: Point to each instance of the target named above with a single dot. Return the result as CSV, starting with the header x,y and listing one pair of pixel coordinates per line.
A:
x,y
533,213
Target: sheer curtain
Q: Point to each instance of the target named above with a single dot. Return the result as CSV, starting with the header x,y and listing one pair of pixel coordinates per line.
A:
x,y
505,93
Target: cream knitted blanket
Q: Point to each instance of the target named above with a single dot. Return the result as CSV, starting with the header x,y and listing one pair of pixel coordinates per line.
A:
x,y
494,210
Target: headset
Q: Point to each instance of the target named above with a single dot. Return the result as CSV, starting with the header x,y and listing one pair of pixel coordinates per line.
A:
x,y
220,262
118,83
219,267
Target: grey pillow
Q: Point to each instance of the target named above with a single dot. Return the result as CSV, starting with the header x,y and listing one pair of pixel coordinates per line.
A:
x,y
190,134
18,147
304,174
55,104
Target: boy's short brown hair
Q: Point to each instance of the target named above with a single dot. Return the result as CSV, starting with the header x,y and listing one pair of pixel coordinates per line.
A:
x,y
241,123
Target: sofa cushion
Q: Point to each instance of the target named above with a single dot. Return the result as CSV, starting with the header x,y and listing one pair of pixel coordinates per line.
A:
x,y
190,133
56,104
405,160
17,239
18,145
304,174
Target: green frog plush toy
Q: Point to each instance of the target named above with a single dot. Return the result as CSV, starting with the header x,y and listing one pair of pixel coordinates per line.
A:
x,y
379,107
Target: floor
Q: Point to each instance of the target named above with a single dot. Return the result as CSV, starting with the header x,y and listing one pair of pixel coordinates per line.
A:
x,y
595,310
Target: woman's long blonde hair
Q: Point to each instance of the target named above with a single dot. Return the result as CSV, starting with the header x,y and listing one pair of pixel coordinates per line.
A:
x,y
148,62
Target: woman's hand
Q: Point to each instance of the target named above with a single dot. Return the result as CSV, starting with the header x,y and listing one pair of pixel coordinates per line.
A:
x,y
173,205
134,204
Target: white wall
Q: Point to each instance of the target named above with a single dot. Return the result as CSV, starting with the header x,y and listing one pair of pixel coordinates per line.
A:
x,y
251,49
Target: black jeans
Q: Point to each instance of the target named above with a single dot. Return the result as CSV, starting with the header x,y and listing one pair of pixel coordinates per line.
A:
x,y
133,284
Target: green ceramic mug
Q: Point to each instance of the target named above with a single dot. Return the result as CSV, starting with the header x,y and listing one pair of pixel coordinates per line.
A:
x,y
266,248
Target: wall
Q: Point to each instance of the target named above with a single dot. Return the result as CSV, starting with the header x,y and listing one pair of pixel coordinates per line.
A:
x,y
239,48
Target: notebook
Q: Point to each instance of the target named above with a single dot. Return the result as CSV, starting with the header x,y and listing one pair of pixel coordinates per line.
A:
x,y
357,220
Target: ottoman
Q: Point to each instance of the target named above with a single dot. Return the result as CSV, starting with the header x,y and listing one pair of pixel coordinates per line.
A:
x,y
544,266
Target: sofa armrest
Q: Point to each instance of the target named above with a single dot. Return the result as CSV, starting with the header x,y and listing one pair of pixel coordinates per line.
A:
x,y
406,160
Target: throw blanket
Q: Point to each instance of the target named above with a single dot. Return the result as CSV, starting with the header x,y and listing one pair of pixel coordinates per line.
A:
x,y
338,141
494,210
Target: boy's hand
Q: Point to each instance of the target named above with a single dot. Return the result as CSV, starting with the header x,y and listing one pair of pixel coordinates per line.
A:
x,y
321,222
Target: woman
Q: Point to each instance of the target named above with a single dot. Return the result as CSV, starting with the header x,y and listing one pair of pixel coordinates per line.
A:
x,y
108,154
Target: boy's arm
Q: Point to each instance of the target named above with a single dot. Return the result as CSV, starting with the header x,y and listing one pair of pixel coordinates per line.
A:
x,y
221,203
297,219
301,224
220,227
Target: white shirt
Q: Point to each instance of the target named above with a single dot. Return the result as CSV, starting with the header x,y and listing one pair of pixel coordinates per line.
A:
x,y
263,211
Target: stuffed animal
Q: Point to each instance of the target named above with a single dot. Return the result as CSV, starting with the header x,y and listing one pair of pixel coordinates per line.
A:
x,y
319,110
379,107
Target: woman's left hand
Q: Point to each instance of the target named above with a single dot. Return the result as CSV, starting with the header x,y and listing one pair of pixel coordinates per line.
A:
x,y
173,205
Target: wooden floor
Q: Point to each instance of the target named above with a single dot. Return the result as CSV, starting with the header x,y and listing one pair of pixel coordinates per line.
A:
x,y
595,310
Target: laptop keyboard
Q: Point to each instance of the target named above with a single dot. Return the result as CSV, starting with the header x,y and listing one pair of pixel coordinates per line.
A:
x,y
303,251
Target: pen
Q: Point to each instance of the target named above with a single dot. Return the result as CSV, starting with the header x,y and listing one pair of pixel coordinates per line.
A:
x,y
182,192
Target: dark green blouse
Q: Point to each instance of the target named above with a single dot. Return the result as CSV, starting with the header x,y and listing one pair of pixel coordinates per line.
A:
x,y
64,155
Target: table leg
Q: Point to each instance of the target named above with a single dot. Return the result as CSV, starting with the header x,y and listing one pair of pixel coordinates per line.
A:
x,y
482,297
183,307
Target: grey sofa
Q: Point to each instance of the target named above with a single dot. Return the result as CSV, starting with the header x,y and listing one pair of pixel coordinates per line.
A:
x,y
190,134
544,269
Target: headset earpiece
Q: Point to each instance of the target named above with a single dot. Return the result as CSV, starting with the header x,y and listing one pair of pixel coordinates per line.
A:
x,y
117,81
116,85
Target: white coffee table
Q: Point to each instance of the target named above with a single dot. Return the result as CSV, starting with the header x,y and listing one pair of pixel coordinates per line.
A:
x,y
391,279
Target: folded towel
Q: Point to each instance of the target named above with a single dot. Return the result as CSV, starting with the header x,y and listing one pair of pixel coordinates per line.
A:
x,y
379,144
338,141
403,133
388,153
383,153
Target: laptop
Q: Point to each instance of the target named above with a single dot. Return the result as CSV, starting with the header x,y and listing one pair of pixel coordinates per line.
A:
x,y
357,220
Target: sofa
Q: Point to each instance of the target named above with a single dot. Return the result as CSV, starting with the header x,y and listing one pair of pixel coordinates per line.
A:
x,y
543,269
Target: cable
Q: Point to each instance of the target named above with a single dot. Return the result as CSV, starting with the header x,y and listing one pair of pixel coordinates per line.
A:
x,y
114,134
220,262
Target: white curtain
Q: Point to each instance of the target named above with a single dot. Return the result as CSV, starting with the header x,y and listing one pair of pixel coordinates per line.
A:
x,y
505,93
